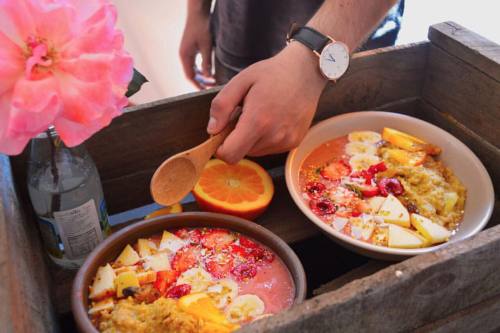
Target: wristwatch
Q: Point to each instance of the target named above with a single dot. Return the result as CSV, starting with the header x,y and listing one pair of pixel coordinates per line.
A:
x,y
333,55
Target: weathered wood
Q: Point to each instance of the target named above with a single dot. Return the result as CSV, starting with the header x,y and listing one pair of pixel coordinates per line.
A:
x,y
482,317
479,52
404,296
24,292
487,152
374,78
470,96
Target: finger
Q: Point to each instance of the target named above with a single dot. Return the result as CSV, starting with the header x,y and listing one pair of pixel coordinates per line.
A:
x,y
188,60
206,60
226,101
239,141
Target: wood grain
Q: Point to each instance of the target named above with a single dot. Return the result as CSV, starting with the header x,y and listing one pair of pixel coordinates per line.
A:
x,y
487,152
481,317
477,51
460,90
24,292
404,296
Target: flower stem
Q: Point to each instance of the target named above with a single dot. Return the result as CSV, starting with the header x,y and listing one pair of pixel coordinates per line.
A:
x,y
56,198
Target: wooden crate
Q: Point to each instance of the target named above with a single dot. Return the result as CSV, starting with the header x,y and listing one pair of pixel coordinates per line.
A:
x,y
452,81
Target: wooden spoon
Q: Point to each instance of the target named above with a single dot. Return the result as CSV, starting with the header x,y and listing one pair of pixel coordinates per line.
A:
x,y
178,175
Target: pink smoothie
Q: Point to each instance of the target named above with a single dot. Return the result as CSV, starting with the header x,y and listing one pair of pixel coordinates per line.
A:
x,y
273,284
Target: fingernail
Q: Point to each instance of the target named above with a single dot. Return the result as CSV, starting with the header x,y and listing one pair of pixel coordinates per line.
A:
x,y
212,123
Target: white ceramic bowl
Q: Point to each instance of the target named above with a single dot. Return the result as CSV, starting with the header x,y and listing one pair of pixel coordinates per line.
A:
x,y
466,166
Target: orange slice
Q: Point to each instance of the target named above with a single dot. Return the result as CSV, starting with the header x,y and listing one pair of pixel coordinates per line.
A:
x,y
409,142
244,189
202,306
175,208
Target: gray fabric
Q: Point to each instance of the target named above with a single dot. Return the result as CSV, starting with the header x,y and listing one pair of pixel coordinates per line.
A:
x,y
247,31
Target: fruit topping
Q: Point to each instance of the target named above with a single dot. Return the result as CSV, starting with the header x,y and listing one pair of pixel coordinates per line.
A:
x,y
335,170
219,265
315,189
164,280
244,271
191,235
217,239
322,207
390,186
186,258
179,291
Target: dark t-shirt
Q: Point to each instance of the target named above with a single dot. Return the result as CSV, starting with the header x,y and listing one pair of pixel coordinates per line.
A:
x,y
246,31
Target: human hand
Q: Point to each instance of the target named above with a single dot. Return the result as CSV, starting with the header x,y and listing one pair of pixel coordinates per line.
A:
x,y
279,97
196,38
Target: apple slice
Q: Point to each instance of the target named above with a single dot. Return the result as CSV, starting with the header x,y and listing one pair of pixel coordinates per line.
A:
x,y
393,211
433,232
104,284
375,203
145,247
157,262
405,238
171,242
128,257
126,280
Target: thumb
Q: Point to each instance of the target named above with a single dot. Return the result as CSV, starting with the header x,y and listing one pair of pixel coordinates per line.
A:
x,y
226,101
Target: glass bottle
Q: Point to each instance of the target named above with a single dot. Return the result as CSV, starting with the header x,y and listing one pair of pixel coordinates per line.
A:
x,y
67,197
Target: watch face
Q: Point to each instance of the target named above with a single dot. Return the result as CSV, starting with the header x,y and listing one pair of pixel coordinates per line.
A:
x,y
334,60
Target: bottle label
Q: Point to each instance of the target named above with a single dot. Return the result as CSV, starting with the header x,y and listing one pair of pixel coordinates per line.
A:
x,y
79,228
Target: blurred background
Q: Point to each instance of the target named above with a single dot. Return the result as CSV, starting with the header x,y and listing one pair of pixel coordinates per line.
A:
x,y
153,30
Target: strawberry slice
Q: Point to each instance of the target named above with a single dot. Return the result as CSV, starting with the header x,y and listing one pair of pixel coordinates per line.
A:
x,y
186,258
219,265
164,279
192,235
336,170
217,239
369,191
247,242
244,271
179,291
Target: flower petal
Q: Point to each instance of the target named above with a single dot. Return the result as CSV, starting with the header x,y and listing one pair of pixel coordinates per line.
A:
x,y
16,20
10,145
11,63
35,105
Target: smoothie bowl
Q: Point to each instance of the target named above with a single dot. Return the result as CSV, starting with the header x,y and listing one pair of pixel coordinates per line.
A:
x,y
388,185
189,272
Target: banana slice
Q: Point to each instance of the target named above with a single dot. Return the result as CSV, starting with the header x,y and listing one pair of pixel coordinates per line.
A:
x,y
223,292
244,308
364,136
356,148
363,161
198,278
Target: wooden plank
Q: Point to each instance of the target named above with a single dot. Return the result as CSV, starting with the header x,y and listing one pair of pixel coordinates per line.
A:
x,y
481,53
482,317
485,151
404,296
25,300
460,90
374,78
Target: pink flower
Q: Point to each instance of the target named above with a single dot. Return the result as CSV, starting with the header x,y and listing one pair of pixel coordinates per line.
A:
x,y
62,63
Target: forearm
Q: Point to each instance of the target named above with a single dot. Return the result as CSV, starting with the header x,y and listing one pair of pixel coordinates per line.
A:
x,y
350,21
195,8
